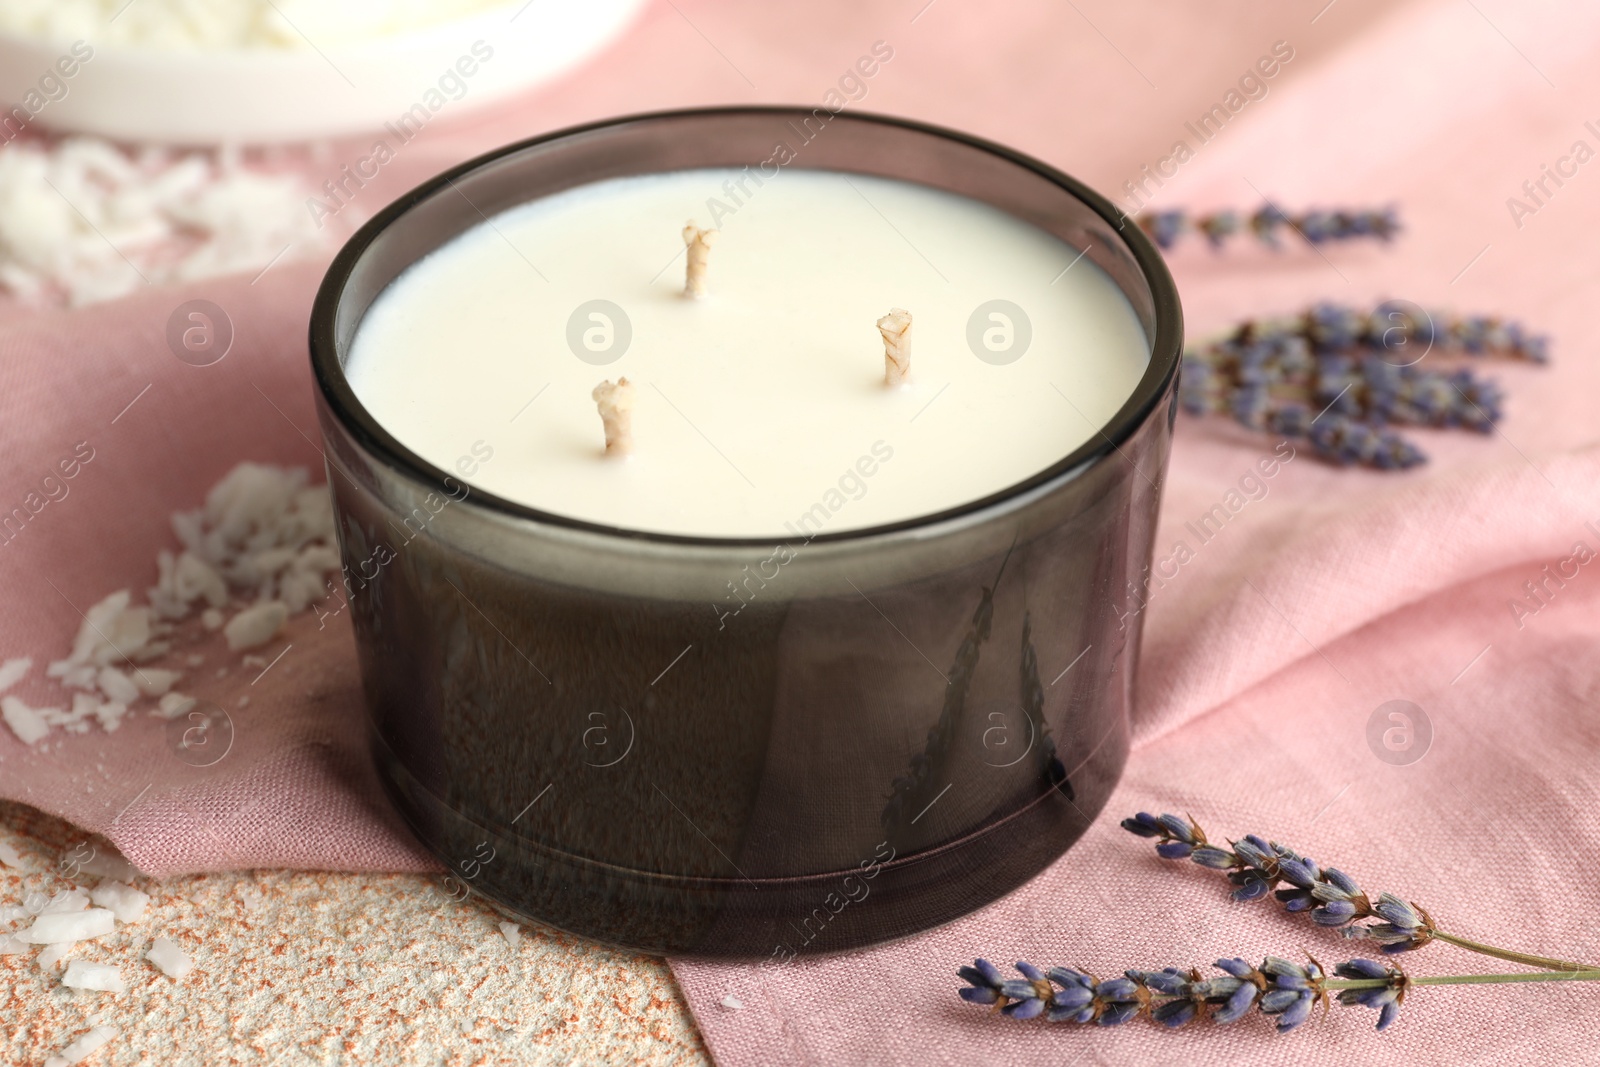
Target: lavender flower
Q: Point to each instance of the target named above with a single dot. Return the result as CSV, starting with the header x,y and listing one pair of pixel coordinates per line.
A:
x,y
1174,997
1295,989
1239,989
1317,226
1257,867
1339,378
1279,988
1405,926
1387,999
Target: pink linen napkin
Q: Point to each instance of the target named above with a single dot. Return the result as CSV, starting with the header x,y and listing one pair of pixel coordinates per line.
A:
x,y
1265,657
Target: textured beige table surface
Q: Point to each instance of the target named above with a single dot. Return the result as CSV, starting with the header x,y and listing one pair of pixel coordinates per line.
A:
x,y
297,968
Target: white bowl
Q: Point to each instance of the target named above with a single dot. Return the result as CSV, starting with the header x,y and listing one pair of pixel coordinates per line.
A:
x,y
261,96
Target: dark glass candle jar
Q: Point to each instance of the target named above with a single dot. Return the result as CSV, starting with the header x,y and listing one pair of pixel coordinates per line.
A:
x,y
900,725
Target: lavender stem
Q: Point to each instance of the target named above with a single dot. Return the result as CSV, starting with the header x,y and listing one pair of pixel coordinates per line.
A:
x,y
1511,956
1335,984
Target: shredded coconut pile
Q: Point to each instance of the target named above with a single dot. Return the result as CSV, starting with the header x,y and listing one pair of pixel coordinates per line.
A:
x,y
64,922
83,221
199,24
262,548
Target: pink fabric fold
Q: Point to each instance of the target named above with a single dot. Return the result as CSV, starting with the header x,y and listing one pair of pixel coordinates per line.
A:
x,y
1266,654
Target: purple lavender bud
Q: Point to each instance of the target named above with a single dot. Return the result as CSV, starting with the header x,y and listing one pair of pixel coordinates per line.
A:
x,y
1174,850
1117,989
1266,222
1068,978
1388,1014
1237,967
1164,227
1289,420
982,972
1362,968
1218,227
1018,989
1301,873
1216,858
1334,913
1030,972
1030,1008
1073,999
1144,824
1169,981
1117,1014
1394,948
1320,226
1255,851
1240,1001
1340,881
1249,886
985,982
1178,828
1296,1013
1174,1013
1397,912
1194,386
1278,1000
1250,405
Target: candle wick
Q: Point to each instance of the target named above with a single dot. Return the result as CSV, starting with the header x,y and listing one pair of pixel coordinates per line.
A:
x,y
896,330
615,401
699,243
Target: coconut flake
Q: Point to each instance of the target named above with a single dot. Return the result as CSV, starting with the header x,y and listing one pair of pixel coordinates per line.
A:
x,y
255,625
76,215
102,977
56,927
68,900
512,933
211,619
117,685
110,714
732,1002
152,682
51,955
11,858
13,671
107,862
174,704
171,960
27,723
123,901
84,1046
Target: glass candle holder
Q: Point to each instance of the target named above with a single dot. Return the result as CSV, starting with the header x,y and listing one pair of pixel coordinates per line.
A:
x,y
567,727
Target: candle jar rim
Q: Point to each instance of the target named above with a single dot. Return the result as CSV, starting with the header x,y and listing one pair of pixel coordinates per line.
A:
x,y
1164,328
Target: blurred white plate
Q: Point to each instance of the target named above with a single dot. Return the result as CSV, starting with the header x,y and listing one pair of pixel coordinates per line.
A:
x,y
271,95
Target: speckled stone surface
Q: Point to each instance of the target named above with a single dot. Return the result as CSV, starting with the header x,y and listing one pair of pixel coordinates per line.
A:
x,y
297,968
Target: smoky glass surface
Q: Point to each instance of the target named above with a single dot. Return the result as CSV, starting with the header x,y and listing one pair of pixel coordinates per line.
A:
x,y
897,726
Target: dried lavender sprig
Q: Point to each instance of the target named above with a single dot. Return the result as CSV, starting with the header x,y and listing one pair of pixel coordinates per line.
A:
x,y
1358,371
1394,326
1175,997
1256,867
1316,226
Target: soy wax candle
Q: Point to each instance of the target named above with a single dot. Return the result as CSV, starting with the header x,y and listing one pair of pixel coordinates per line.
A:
x,y
752,403
756,586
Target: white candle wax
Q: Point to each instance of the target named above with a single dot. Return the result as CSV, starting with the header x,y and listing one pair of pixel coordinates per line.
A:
x,y
760,409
